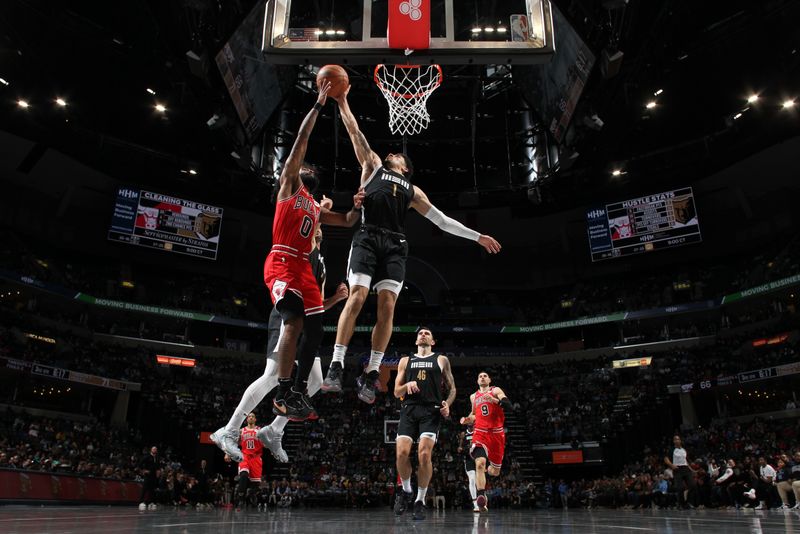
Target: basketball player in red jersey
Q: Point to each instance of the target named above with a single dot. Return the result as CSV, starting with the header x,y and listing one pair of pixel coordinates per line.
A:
x,y
288,273
489,438
251,463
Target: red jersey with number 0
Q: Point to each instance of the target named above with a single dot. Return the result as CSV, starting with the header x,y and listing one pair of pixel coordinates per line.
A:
x,y
294,222
488,415
249,443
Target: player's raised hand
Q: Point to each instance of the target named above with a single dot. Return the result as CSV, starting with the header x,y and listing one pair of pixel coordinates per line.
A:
x,y
411,387
489,244
445,409
323,92
326,203
342,96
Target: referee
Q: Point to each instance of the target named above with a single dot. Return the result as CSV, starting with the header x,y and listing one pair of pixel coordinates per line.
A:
x,y
683,475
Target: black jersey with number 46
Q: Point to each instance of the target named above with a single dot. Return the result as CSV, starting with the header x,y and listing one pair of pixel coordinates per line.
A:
x,y
387,196
428,376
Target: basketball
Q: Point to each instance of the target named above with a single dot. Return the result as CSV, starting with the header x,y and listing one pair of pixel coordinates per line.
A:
x,y
337,76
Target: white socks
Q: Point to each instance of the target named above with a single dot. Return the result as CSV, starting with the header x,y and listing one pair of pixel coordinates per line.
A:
x,y
421,492
254,394
406,485
338,354
375,359
473,489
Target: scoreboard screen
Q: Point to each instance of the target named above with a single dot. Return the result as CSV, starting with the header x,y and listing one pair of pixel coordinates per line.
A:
x,y
166,223
643,224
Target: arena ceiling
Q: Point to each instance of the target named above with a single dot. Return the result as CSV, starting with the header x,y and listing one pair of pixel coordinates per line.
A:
x,y
101,58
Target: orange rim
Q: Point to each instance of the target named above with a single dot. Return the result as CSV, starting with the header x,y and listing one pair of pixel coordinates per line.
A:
x,y
407,95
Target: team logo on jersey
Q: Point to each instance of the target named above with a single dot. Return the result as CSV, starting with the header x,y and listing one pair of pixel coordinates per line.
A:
x,y
278,289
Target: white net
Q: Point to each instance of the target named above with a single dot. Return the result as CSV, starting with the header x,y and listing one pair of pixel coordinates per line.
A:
x,y
406,88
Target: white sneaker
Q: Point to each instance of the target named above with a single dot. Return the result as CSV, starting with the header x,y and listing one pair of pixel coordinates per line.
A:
x,y
783,507
228,442
152,506
760,506
751,494
142,507
271,439
796,506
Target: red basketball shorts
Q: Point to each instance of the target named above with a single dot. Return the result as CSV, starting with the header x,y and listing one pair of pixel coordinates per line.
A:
x,y
494,443
284,273
252,465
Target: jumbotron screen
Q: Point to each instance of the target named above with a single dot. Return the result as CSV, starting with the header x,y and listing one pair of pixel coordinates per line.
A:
x,y
643,224
166,223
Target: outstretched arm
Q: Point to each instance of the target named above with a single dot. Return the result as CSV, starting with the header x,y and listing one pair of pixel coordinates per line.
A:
x,y
368,159
421,203
333,218
290,175
502,400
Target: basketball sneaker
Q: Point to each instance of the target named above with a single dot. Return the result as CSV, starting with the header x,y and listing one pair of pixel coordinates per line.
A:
x,y
333,380
367,384
419,511
142,507
475,507
401,500
271,439
228,442
295,406
480,501
751,494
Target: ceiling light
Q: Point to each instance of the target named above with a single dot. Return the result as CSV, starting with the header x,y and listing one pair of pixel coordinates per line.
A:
x,y
788,104
61,102
318,32
616,172
477,30
4,82
330,32
339,32
150,91
23,104
501,29
192,171
752,98
160,108
737,115
658,92
651,104
488,29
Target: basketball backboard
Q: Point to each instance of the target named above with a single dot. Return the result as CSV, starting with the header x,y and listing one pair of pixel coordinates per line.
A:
x,y
353,32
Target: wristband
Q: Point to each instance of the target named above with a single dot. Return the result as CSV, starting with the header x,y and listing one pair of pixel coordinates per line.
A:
x,y
506,404
317,106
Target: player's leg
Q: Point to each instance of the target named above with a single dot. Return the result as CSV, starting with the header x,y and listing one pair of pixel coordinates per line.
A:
x,y
424,471
309,344
240,493
227,438
389,275
360,268
407,432
496,450
287,401
480,456
469,468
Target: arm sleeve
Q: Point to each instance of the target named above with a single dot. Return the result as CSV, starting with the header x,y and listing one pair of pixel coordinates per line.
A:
x,y
726,476
449,225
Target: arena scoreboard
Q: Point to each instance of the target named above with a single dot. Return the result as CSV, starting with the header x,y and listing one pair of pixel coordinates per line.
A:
x,y
643,224
166,223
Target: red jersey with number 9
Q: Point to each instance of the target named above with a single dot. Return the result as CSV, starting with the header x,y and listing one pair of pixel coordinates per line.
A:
x,y
249,443
488,415
294,223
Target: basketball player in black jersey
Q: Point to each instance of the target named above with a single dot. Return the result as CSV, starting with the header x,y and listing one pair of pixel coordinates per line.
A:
x,y
379,249
464,447
419,386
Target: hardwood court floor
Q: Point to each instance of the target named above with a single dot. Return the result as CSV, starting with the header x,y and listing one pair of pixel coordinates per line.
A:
x,y
120,520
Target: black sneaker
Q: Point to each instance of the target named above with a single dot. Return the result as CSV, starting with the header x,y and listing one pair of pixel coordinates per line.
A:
x,y
401,501
295,406
333,380
419,511
367,384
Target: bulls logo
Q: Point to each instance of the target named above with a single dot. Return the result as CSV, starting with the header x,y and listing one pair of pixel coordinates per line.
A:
x,y
411,8
278,289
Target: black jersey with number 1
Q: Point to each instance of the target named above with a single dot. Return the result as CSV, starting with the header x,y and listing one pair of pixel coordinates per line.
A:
x,y
388,196
425,371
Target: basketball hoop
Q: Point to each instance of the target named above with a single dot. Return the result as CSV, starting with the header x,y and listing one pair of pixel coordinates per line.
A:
x,y
406,88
